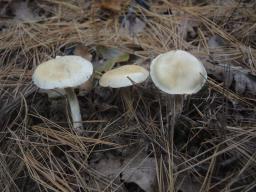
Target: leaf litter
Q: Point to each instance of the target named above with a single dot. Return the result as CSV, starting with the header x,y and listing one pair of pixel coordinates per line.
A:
x,y
137,169
214,140
242,78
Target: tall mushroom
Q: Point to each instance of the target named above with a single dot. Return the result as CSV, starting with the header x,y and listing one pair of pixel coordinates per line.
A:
x,y
177,73
124,76
65,72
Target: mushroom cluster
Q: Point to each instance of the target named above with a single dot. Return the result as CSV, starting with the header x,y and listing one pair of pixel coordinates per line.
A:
x,y
175,72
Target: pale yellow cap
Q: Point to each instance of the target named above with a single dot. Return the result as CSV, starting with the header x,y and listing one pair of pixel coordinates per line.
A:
x,y
62,72
178,72
124,76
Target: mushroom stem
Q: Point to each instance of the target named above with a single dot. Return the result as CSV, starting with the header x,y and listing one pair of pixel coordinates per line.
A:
x,y
125,93
174,108
74,108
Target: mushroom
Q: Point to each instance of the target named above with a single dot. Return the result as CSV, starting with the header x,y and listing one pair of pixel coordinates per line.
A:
x,y
65,72
124,76
177,73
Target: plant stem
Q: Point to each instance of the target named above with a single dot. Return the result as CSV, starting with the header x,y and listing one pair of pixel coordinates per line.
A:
x,y
74,109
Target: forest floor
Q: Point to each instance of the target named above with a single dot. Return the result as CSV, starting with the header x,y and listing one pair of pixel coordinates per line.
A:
x,y
125,144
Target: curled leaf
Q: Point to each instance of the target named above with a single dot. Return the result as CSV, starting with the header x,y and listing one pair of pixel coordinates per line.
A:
x,y
111,56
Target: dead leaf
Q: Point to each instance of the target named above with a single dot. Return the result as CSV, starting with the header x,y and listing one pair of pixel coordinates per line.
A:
x,y
111,56
107,52
107,165
85,88
142,172
109,64
242,78
243,82
131,24
23,12
137,169
112,5
83,51
215,42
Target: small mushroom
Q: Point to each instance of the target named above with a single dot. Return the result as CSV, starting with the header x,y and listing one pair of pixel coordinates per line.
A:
x,y
65,72
122,77
177,73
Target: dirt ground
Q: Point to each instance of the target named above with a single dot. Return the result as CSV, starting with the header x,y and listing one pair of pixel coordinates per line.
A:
x,y
128,143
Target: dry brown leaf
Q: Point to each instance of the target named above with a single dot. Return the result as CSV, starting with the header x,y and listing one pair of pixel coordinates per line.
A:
x,y
112,5
137,169
83,51
85,88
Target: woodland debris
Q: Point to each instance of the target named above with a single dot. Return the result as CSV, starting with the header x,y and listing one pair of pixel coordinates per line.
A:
x,y
131,24
112,5
137,169
243,79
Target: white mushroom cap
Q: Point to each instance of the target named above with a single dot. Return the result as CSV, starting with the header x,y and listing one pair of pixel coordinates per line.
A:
x,y
178,72
124,76
62,72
